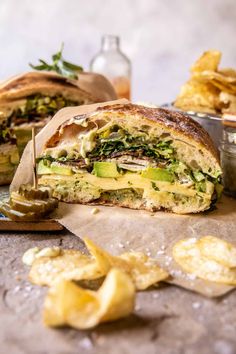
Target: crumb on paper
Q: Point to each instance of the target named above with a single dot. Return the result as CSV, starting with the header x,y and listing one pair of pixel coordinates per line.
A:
x,y
196,305
95,211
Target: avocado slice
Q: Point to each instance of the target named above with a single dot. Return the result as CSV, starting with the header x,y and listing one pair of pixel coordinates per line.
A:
x,y
61,170
105,169
158,174
43,169
54,168
199,176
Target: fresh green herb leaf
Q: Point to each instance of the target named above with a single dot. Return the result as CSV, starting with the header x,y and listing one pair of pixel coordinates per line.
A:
x,y
59,65
71,66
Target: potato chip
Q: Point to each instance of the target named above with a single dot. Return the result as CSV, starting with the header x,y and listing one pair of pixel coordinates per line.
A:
x,y
208,61
210,75
105,261
187,254
143,270
227,72
69,264
223,83
218,250
73,265
203,92
68,304
198,96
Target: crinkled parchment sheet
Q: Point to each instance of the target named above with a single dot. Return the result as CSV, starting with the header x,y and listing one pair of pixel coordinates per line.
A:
x,y
119,229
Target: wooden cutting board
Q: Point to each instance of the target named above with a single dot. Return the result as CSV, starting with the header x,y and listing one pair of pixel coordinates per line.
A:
x,y
41,225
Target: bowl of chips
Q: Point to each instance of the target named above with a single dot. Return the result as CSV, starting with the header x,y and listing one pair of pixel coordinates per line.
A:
x,y
209,94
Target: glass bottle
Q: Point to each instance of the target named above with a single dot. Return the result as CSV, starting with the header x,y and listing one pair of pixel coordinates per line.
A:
x,y
113,64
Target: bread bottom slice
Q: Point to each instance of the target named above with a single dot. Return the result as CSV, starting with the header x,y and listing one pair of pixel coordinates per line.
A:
x,y
73,190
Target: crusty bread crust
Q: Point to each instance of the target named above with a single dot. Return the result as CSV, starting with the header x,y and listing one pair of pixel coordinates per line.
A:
x,y
90,87
50,84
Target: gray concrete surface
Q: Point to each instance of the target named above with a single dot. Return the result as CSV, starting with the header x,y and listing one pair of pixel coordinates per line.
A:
x,y
167,320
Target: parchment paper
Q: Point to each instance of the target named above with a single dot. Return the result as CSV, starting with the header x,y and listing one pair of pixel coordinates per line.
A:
x,y
97,85
119,229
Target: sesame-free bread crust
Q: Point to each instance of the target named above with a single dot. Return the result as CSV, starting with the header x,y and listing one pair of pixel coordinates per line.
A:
x,y
47,83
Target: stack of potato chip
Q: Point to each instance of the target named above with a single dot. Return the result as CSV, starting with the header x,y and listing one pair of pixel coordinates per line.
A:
x,y
67,303
210,89
70,276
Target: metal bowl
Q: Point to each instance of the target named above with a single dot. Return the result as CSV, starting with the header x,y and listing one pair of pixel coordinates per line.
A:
x,y
211,123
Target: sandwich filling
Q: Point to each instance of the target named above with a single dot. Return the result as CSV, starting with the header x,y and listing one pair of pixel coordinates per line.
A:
x,y
37,107
109,163
9,157
34,110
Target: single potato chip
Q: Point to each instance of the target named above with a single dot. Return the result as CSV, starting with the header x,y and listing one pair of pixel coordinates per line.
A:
x,y
104,260
221,82
208,61
228,72
218,250
68,304
143,270
69,264
187,254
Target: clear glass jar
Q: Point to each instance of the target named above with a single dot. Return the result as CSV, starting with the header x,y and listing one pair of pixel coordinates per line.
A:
x,y
228,160
113,64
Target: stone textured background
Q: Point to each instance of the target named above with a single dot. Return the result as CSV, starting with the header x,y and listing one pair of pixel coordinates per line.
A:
x,y
162,38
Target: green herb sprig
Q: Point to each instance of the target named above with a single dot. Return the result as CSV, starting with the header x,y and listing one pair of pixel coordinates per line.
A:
x,y
59,65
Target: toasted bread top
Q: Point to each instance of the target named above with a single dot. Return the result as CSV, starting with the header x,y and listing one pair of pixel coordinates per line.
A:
x,y
94,87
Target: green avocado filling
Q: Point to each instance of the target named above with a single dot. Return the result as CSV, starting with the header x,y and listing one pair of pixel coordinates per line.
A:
x,y
105,169
40,106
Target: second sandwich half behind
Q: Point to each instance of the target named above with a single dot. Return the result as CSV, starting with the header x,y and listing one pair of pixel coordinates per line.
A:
x,y
133,156
32,99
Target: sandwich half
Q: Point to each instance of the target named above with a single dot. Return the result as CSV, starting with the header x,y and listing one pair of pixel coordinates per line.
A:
x,y
135,157
31,99
9,157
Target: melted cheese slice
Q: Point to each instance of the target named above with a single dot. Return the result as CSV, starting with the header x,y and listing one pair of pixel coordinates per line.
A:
x,y
130,180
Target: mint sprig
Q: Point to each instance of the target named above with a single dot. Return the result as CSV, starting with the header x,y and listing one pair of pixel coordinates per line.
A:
x,y
59,65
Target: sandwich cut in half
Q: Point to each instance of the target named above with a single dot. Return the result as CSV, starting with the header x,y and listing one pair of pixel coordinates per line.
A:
x,y
132,156
31,99
9,157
